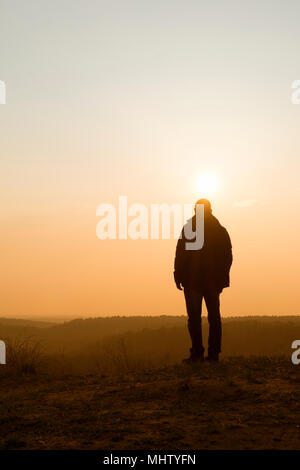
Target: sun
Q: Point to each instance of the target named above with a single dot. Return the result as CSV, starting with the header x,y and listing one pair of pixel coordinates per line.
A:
x,y
207,184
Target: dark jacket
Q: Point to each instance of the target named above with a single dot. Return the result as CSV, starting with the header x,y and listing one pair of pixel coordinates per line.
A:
x,y
209,266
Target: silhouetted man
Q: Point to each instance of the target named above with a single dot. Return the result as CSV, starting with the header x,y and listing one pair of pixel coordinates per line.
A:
x,y
203,273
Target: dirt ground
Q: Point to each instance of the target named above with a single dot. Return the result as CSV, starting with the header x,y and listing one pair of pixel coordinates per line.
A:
x,y
237,404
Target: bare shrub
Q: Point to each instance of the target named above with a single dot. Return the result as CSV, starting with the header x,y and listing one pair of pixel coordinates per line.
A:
x,y
23,355
117,357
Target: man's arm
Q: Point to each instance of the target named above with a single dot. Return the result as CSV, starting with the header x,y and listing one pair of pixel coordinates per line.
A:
x,y
225,259
227,250
179,261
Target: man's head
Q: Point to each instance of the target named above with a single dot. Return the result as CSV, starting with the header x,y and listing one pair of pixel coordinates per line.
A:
x,y
206,204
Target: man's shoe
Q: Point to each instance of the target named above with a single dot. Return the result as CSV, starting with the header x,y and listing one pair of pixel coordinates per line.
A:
x,y
212,358
194,358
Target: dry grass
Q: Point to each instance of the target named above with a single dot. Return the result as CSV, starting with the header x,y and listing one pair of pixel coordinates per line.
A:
x,y
241,403
24,356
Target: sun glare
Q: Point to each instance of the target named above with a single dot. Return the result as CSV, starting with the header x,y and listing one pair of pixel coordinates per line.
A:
x,y
207,184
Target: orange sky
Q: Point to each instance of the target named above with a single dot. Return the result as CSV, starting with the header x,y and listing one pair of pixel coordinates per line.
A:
x,y
103,102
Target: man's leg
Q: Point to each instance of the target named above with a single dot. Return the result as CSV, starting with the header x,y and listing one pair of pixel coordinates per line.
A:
x,y
193,300
212,300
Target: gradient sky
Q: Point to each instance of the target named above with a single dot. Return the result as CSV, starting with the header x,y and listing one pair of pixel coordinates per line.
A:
x,y
139,98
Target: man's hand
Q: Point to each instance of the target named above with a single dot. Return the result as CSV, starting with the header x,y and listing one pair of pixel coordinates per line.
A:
x,y
177,281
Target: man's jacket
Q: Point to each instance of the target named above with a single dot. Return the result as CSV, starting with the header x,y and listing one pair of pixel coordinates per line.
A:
x,y
209,266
